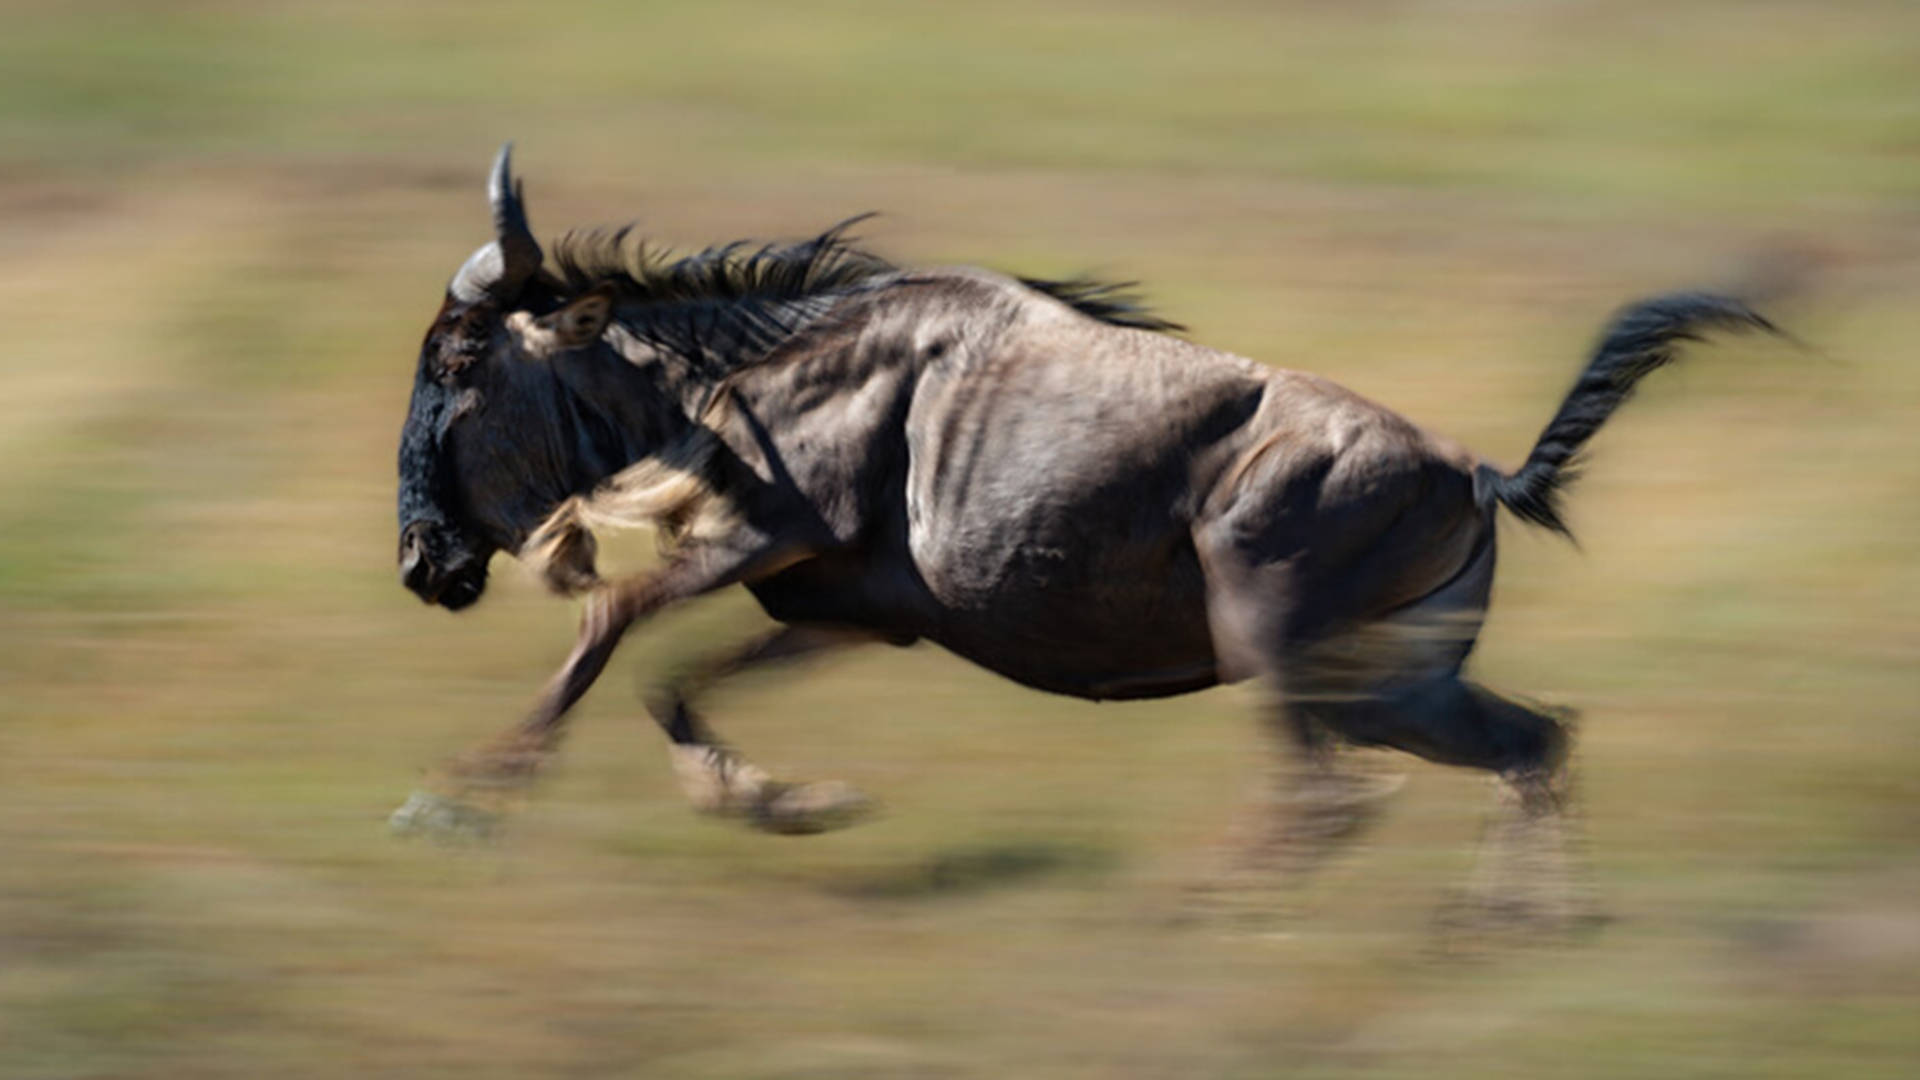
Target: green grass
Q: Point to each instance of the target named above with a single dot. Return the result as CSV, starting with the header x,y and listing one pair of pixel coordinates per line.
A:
x,y
228,223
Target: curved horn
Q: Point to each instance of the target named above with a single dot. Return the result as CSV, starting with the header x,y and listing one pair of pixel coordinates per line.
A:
x,y
504,264
510,219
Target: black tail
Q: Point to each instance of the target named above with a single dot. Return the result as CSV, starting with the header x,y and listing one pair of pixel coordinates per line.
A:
x,y
1641,338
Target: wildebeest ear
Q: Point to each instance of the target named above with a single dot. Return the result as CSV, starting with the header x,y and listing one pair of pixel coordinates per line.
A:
x,y
583,320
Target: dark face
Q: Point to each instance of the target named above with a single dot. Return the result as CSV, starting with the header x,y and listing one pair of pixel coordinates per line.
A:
x,y
493,438
488,444
476,472
443,557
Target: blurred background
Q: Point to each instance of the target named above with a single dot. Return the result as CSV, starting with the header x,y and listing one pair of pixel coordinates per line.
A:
x,y
226,225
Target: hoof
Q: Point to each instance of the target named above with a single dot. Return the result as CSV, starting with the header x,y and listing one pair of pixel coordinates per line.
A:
x,y
719,781
443,819
799,809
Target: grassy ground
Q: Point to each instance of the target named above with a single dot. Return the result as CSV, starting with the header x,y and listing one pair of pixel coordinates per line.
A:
x,y
226,225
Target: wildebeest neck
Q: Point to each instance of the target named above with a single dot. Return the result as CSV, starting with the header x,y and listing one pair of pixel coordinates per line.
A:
x,y
607,412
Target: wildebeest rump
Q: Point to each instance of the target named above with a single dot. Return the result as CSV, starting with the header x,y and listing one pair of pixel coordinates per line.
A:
x,y
1035,475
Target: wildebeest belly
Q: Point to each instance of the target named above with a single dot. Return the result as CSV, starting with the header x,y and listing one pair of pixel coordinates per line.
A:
x,y
1112,663
1093,598
1108,624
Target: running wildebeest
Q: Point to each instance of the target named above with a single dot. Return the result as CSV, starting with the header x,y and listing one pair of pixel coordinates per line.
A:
x,y
1033,474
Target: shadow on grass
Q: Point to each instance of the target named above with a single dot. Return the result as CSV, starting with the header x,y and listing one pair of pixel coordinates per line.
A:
x,y
972,869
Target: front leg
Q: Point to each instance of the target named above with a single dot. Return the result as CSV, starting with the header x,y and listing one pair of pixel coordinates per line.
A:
x,y
716,778
469,793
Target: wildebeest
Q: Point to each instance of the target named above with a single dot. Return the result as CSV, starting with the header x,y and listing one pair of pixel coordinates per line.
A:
x,y
1035,475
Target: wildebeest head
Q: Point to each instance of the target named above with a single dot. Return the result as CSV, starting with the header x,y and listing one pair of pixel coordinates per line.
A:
x,y
482,455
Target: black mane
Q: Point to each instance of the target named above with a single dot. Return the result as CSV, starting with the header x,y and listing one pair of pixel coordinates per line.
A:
x,y
1112,302
738,298
639,272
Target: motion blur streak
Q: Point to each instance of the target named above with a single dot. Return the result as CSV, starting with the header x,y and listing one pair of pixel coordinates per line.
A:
x,y
221,222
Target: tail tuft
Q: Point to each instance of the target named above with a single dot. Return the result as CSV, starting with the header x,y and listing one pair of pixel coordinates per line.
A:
x,y
1641,338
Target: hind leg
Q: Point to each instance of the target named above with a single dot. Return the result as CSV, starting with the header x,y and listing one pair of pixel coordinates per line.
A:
x,y
1524,876
1528,873
1334,572
1314,802
1394,684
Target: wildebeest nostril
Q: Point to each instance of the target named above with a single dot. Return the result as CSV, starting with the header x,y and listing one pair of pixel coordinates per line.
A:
x,y
414,566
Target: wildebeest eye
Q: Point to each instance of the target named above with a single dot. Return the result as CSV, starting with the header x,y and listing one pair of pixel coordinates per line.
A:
x,y
452,365
461,346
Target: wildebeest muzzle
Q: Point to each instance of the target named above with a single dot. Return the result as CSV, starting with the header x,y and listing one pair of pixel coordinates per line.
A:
x,y
439,568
